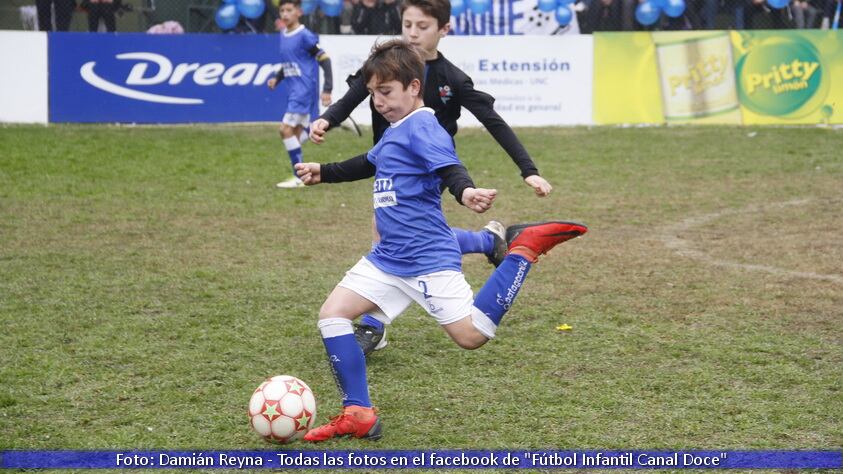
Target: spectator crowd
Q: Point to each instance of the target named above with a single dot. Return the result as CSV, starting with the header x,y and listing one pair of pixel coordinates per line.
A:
x,y
382,17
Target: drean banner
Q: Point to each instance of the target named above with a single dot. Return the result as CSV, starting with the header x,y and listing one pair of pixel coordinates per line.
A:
x,y
725,77
222,78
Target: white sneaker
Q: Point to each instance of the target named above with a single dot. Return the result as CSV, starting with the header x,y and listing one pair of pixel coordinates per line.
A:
x,y
290,183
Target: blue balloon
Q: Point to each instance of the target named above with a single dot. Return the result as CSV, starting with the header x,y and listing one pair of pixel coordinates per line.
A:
x,y
646,13
229,2
251,8
309,6
566,2
660,4
778,4
479,7
331,7
227,17
674,8
564,15
457,7
547,5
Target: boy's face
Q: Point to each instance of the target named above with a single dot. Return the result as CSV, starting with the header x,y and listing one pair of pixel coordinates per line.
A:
x,y
289,14
391,99
422,31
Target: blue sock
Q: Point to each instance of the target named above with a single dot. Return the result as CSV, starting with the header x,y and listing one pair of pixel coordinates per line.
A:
x,y
474,241
347,361
369,320
500,290
294,150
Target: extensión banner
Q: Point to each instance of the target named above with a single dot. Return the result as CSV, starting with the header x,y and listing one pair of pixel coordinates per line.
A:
x,y
164,78
748,77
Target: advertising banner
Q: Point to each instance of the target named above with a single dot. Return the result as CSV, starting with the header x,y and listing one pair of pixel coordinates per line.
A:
x,y
163,78
23,83
789,77
748,77
534,82
222,78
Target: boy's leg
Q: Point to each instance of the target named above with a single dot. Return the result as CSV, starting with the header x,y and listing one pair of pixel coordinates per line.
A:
x,y
290,130
526,243
348,365
364,289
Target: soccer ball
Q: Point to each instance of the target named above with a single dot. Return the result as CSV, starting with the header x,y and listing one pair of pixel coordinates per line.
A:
x,y
282,409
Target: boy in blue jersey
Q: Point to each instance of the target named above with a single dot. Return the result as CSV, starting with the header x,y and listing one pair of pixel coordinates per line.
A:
x,y
448,91
300,53
417,257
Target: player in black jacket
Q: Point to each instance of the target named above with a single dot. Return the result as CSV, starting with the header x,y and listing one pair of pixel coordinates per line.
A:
x,y
446,90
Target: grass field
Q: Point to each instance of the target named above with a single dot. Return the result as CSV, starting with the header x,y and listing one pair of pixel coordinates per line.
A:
x,y
151,277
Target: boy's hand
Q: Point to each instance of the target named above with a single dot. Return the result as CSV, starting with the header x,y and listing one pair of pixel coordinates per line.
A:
x,y
309,173
539,185
272,83
318,129
479,199
326,98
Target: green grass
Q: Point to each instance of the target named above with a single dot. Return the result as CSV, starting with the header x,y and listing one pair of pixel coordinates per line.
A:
x,y
151,277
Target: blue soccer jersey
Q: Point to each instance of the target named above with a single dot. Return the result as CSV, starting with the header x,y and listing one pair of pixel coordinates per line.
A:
x,y
415,239
299,49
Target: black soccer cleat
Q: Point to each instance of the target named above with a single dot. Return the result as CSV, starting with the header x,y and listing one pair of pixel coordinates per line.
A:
x,y
369,338
499,249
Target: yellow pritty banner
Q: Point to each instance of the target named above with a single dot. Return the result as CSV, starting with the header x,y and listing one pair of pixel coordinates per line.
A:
x,y
749,77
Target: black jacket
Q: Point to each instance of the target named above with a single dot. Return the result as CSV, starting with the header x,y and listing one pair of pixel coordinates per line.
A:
x,y
446,90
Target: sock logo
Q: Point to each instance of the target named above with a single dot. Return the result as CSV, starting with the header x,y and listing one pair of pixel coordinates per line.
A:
x,y
512,291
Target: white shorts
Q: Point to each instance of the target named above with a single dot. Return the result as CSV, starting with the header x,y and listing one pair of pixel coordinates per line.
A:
x,y
444,295
294,120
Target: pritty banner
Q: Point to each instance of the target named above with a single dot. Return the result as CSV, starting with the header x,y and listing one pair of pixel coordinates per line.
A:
x,y
428,459
748,77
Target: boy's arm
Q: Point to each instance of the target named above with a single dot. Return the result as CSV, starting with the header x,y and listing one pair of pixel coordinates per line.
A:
x,y
352,169
459,183
324,63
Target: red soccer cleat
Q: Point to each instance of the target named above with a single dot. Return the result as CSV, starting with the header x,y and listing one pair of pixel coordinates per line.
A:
x,y
355,421
539,237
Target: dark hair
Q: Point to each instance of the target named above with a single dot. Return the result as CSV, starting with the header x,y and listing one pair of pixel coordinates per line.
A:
x,y
439,9
394,60
296,3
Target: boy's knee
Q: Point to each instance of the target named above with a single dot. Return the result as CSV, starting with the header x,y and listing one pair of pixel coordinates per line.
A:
x,y
471,340
285,131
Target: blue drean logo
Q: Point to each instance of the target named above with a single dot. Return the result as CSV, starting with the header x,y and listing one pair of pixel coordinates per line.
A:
x,y
165,68
165,78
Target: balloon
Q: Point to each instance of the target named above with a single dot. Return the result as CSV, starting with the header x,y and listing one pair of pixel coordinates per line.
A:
x,y
309,6
777,4
646,13
674,8
251,8
229,2
547,5
331,7
660,4
227,17
479,7
564,15
567,2
457,7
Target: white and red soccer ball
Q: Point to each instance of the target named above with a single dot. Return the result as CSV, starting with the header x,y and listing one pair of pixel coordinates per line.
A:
x,y
282,409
